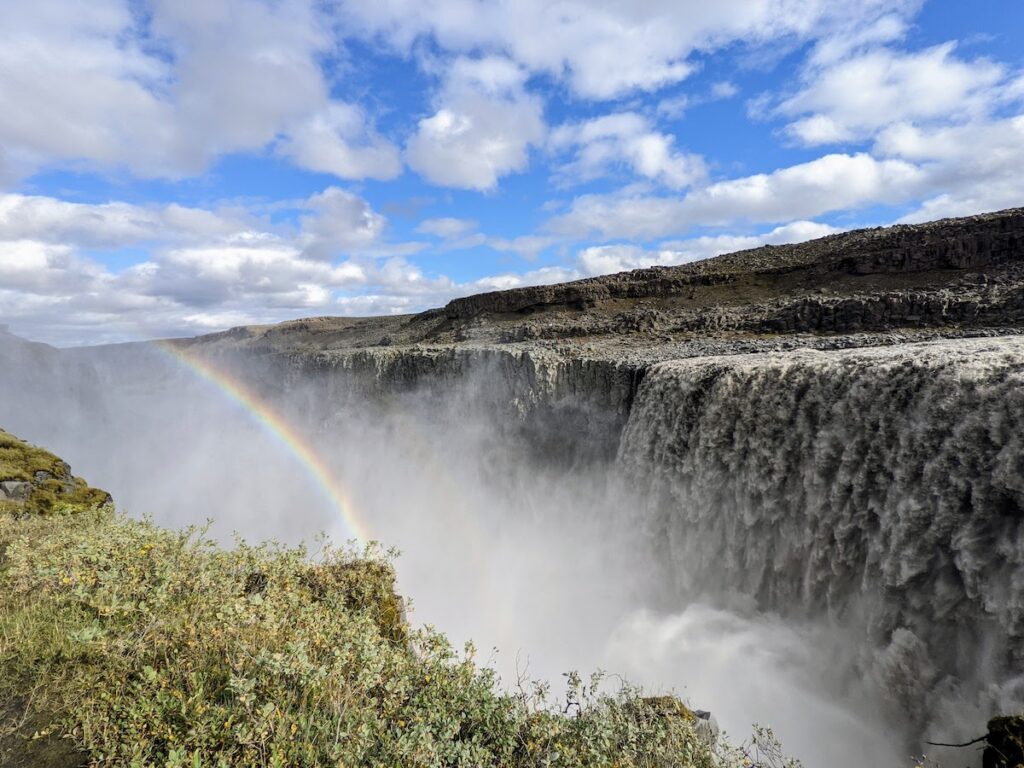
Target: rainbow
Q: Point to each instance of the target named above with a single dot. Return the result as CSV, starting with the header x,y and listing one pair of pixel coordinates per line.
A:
x,y
275,424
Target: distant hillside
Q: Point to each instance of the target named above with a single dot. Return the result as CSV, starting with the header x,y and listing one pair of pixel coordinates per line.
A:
x,y
951,276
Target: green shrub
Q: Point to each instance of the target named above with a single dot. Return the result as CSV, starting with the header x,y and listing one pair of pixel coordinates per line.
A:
x,y
156,647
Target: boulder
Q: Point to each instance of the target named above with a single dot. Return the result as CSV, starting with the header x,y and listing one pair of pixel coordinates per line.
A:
x,y
17,490
1005,743
706,726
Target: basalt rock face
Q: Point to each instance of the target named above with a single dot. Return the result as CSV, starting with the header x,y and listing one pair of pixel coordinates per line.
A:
x,y
571,409
881,487
990,240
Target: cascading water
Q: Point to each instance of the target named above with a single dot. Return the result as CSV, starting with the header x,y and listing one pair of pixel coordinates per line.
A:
x,y
881,490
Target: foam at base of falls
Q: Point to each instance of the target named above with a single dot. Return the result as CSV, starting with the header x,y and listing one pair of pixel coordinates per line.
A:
x,y
882,488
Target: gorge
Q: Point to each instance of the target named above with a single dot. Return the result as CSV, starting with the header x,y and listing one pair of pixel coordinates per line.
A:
x,y
786,483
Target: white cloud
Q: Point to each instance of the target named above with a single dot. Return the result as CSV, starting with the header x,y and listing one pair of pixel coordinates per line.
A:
x,y
203,266
339,140
624,139
336,221
212,277
165,89
606,259
483,128
528,247
110,225
974,168
829,183
723,89
674,107
604,48
853,98
847,40
274,274
446,227
696,248
30,266
340,221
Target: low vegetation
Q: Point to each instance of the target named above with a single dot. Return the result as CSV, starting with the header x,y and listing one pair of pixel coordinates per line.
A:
x,y
122,643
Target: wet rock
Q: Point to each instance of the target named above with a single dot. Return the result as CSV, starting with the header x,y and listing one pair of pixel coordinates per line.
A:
x,y
706,726
1005,743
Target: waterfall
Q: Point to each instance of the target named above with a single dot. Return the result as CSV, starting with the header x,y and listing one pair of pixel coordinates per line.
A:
x,y
881,489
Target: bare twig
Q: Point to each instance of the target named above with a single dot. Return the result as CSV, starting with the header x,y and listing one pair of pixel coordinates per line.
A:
x,y
965,744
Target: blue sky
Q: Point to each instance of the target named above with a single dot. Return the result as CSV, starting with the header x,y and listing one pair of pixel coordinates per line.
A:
x,y
173,167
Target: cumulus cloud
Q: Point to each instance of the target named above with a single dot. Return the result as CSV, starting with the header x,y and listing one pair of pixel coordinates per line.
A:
x,y
203,266
965,180
340,221
528,247
606,259
339,140
853,98
958,120
165,89
109,225
723,89
829,183
34,267
624,139
483,128
602,48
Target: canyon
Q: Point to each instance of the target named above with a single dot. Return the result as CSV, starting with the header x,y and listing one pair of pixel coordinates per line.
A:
x,y
824,439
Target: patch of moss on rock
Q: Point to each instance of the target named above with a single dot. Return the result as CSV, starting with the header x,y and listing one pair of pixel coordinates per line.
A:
x,y
35,482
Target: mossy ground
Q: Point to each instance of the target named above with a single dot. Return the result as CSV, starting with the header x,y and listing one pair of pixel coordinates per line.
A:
x,y
125,644
57,492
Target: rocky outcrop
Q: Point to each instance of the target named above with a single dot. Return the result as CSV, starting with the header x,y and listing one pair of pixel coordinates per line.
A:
x,y
15,490
951,244
35,482
1005,743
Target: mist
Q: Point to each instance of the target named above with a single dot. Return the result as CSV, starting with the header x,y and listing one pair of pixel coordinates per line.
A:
x,y
547,562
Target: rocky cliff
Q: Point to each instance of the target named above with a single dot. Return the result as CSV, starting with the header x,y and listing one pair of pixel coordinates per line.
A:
x,y
977,242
